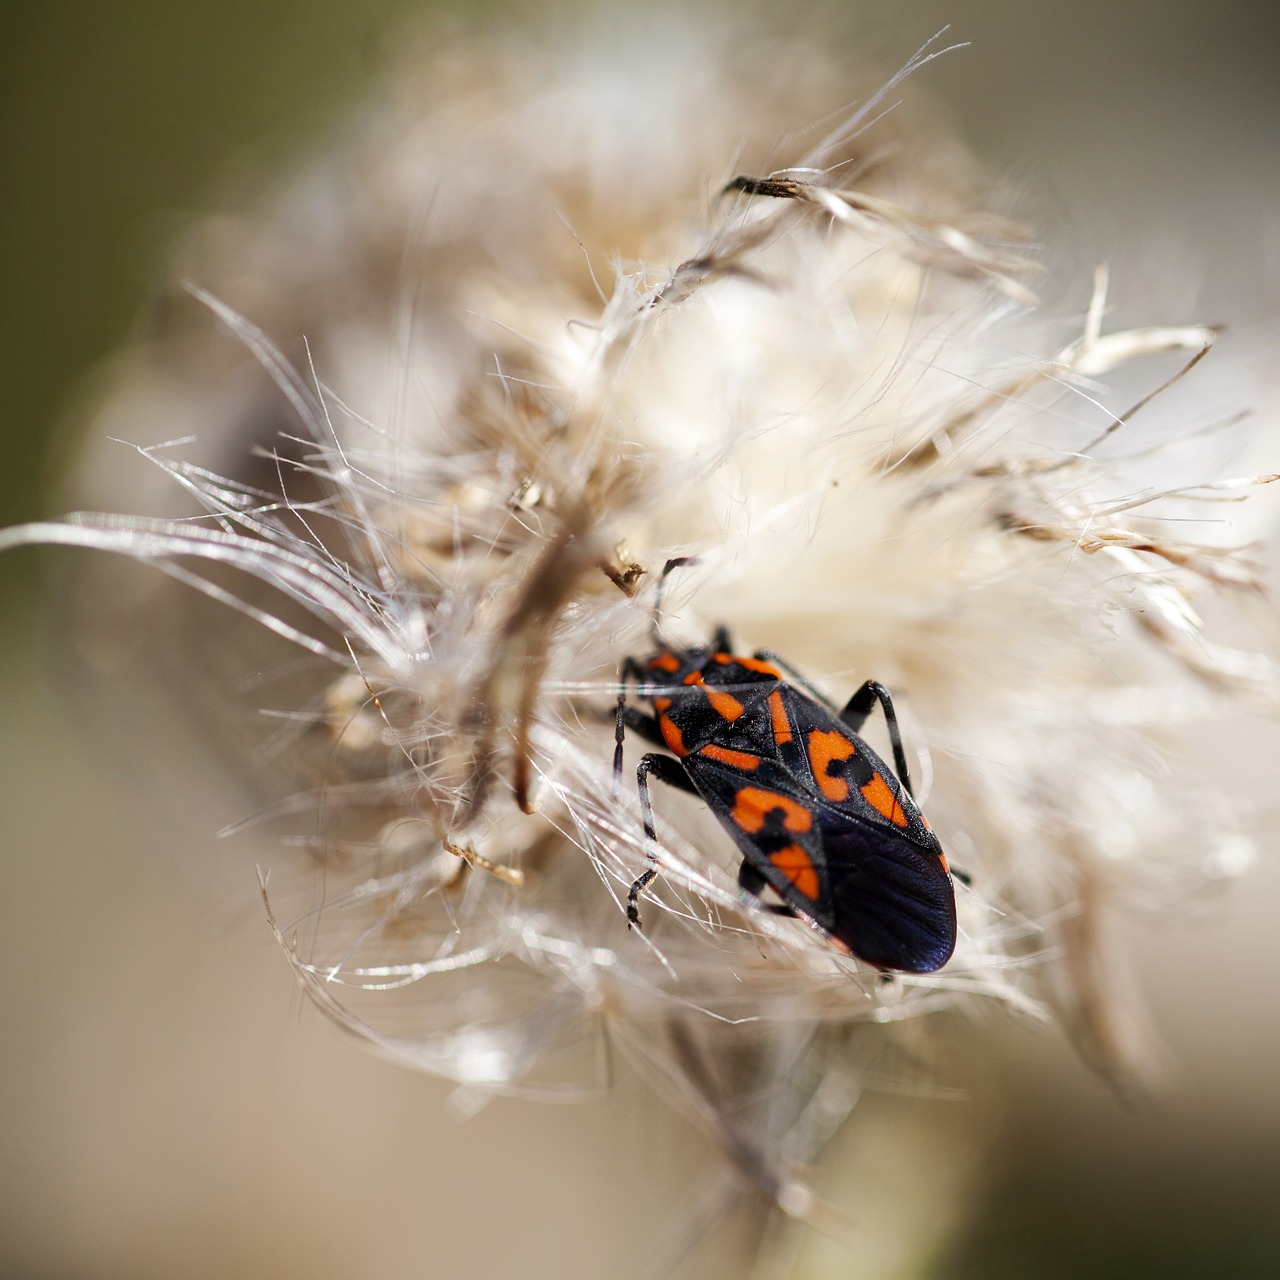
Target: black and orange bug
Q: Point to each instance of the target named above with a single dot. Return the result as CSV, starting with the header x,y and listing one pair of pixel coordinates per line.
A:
x,y
817,815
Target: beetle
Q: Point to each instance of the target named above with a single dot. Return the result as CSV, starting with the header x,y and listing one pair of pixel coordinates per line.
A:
x,y
816,814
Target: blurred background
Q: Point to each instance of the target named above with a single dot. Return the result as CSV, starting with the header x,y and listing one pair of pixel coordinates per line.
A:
x,y
168,1107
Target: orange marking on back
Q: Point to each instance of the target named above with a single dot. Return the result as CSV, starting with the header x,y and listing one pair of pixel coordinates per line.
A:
x,y
878,795
825,747
671,735
781,725
762,668
735,759
662,704
796,865
665,662
724,704
753,804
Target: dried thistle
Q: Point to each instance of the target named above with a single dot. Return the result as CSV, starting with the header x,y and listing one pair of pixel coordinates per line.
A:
x,y
808,369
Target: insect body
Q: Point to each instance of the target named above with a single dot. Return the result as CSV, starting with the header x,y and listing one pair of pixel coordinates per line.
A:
x,y
817,814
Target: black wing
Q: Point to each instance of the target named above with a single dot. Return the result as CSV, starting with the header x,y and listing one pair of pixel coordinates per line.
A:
x,y
868,872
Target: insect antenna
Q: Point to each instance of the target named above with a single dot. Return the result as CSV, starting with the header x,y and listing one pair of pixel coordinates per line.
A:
x,y
675,563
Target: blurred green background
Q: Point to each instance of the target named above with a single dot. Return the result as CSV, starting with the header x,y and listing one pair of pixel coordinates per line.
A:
x,y
119,124
164,1114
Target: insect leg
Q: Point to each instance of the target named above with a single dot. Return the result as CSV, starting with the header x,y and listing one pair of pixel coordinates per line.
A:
x,y
720,642
859,707
669,770
676,562
630,669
